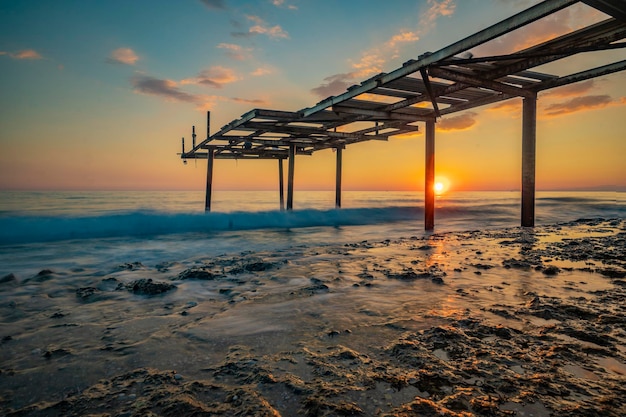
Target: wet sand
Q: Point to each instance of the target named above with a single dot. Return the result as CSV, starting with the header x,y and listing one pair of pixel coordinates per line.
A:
x,y
515,322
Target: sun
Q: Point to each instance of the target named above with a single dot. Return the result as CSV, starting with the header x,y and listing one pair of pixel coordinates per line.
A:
x,y
441,185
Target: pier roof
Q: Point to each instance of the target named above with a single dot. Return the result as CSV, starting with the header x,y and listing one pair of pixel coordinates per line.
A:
x,y
435,84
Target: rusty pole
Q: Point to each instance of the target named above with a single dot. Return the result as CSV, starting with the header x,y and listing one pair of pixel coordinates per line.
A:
x,y
292,157
338,179
529,139
429,186
281,184
209,178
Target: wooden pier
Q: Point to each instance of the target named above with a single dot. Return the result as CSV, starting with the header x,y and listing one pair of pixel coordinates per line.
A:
x,y
421,91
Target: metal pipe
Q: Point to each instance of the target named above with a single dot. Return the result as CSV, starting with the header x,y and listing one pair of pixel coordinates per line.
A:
x,y
338,179
529,139
292,157
209,179
281,184
429,185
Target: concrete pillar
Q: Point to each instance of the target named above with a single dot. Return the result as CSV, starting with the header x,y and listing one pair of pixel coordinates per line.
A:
x,y
292,157
281,184
209,179
529,136
338,179
429,185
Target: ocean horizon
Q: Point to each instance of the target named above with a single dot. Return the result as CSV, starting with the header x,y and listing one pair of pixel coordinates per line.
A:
x,y
69,229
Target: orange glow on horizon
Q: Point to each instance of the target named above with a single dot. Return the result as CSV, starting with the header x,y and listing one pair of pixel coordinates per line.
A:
x,y
442,185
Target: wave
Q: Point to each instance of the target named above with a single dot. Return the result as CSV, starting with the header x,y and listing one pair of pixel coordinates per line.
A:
x,y
29,229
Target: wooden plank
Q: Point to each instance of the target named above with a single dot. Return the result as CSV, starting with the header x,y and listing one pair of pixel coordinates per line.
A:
x,y
529,133
429,177
479,82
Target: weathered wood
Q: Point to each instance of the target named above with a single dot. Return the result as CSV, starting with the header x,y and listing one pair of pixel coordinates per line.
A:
x,y
281,184
429,175
338,178
480,82
290,175
529,132
209,179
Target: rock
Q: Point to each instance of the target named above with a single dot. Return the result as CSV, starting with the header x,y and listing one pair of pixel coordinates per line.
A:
x,y
551,270
8,278
198,274
607,272
148,287
87,293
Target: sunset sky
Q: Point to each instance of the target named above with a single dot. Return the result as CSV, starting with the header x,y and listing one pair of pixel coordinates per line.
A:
x,y
96,95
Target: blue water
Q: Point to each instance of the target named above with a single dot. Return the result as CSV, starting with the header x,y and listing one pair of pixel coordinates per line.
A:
x,y
92,230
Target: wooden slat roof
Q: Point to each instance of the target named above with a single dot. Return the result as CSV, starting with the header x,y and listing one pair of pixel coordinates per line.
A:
x,y
436,84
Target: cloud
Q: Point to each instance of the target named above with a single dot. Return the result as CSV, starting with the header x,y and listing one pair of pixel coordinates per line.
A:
x,y
260,27
333,85
170,91
402,37
372,61
215,77
214,4
462,122
261,71
569,90
436,9
161,87
23,54
281,3
123,56
248,101
578,104
235,52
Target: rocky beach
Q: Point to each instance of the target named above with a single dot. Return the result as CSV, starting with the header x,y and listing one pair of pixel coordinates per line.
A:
x,y
507,322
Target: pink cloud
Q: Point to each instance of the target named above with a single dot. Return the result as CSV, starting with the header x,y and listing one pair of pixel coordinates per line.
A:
x,y
578,104
215,77
461,122
23,54
123,56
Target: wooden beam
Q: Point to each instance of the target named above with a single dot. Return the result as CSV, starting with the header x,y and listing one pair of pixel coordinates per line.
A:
x,y
429,171
338,178
529,139
290,175
581,76
429,91
281,185
377,114
209,180
480,82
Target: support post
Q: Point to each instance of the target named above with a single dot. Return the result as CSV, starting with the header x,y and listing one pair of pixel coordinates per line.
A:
x,y
338,179
529,139
429,186
208,124
292,157
209,179
281,184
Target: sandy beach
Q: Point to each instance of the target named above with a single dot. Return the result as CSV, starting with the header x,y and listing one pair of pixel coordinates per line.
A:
x,y
510,322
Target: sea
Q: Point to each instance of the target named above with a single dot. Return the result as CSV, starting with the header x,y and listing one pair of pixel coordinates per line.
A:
x,y
99,229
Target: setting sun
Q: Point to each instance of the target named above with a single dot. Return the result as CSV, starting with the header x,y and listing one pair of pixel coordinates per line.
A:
x,y
442,185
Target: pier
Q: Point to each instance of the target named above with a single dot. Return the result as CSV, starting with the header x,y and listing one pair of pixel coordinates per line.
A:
x,y
422,91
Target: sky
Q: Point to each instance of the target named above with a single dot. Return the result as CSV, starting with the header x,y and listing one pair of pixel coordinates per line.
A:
x,y
96,95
